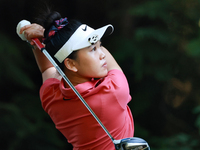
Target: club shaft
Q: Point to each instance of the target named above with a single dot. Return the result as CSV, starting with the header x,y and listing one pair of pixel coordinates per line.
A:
x,y
41,47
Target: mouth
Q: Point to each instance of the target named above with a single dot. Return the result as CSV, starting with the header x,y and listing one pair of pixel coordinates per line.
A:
x,y
104,65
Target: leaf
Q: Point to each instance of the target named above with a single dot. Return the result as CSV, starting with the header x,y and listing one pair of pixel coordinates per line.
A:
x,y
193,48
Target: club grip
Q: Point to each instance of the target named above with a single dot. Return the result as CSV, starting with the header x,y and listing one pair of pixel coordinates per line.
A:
x,y
35,40
19,26
38,44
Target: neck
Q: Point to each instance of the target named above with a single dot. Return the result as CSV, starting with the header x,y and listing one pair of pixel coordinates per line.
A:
x,y
74,78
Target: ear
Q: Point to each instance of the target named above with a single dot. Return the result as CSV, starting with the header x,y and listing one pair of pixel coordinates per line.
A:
x,y
70,64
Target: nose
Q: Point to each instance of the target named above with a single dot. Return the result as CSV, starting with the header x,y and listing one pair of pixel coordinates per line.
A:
x,y
102,54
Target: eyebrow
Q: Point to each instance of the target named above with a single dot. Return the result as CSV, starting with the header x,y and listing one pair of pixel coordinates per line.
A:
x,y
94,44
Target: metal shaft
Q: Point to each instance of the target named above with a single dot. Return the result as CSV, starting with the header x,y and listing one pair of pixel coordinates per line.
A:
x,y
41,47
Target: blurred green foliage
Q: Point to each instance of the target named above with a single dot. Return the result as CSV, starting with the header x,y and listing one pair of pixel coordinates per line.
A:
x,y
156,42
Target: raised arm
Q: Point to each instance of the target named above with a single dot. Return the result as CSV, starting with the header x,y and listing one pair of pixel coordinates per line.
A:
x,y
46,68
111,62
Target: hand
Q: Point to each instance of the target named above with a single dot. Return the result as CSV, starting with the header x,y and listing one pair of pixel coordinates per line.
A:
x,y
32,31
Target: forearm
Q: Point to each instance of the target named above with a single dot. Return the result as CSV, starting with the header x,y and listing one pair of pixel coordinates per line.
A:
x,y
111,62
41,60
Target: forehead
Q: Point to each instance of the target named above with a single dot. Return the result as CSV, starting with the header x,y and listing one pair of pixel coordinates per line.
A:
x,y
91,46
81,53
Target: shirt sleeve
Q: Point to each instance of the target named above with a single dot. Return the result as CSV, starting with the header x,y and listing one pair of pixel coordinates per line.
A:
x,y
117,85
47,90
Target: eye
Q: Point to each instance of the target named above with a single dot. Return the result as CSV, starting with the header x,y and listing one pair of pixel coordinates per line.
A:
x,y
94,48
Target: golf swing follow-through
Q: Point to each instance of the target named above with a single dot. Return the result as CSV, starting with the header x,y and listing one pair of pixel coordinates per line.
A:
x,y
82,49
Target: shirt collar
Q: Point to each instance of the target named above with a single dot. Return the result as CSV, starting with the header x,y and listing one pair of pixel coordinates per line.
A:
x,y
82,88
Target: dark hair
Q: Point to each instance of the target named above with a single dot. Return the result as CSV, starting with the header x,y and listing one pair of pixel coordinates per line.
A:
x,y
61,36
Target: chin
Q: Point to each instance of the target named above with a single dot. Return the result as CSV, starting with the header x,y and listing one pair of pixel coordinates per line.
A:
x,y
102,75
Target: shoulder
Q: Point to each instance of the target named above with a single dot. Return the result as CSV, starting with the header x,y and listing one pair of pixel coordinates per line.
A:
x,y
114,81
116,75
49,86
115,72
51,73
115,87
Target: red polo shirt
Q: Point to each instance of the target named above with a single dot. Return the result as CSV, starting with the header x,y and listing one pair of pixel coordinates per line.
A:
x,y
108,98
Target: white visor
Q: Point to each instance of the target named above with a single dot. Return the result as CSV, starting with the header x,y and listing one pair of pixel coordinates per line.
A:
x,y
83,37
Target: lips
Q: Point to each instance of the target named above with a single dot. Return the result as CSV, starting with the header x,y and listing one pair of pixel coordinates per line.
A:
x,y
105,64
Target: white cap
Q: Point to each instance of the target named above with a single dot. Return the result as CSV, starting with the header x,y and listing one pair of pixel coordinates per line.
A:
x,y
83,37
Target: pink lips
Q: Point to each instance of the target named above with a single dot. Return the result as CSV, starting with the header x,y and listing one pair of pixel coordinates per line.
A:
x,y
105,64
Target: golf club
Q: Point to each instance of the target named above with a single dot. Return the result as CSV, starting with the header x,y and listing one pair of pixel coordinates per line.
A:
x,y
132,143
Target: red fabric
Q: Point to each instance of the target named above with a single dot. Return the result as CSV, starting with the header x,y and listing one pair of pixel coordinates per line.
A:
x,y
107,97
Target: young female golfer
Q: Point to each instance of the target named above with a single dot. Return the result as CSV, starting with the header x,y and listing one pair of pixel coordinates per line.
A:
x,y
94,73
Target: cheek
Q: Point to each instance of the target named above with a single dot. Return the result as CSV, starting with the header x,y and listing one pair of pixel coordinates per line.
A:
x,y
84,65
89,62
90,69
90,66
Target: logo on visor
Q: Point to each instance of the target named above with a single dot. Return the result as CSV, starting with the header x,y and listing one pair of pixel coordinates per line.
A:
x,y
85,28
92,40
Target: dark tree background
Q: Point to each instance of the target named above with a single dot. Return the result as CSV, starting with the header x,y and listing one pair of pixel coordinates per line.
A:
x,y
156,42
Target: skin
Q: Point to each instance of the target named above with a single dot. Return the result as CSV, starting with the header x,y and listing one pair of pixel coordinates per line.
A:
x,y
92,62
